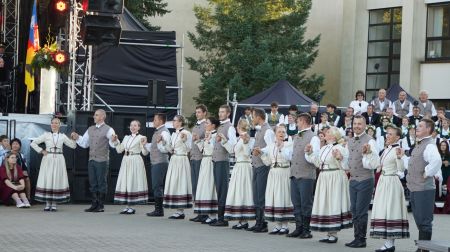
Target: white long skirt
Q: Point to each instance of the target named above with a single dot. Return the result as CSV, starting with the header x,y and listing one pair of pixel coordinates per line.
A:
x,y
389,212
331,208
279,207
131,187
52,183
206,195
178,185
239,204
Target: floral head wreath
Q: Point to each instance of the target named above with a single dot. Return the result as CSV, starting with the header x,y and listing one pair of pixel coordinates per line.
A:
x,y
372,127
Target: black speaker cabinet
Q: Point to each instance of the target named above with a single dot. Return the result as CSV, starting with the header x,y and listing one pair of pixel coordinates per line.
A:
x,y
157,92
100,30
105,6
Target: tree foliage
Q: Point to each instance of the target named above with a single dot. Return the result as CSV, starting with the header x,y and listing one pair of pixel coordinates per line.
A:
x,y
247,45
143,9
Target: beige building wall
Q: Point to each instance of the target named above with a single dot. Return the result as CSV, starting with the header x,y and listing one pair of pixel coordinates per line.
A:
x,y
343,26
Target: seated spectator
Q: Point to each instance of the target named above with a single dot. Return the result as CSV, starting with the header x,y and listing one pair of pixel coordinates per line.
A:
x,y
359,105
16,146
381,103
274,118
323,123
370,130
402,107
416,117
4,147
348,114
372,118
405,126
333,118
381,132
291,126
392,118
12,182
445,155
409,141
439,118
314,112
435,136
445,131
425,105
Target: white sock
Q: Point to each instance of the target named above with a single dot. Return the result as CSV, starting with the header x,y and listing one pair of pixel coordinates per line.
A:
x,y
180,211
242,222
389,243
48,204
213,216
25,201
284,225
18,201
53,204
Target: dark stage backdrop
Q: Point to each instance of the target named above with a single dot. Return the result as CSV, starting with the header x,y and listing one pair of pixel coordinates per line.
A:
x,y
136,65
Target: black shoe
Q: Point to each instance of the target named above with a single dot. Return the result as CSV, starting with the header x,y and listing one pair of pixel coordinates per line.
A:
x,y
219,223
124,211
297,232
305,235
53,209
391,249
100,207
177,217
94,203
275,231
240,226
131,211
252,228
349,244
196,218
211,221
47,209
324,240
155,213
360,243
328,240
283,231
262,228
159,210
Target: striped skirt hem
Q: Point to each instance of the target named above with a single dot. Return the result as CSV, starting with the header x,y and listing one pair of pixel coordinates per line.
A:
x,y
389,229
131,197
330,223
177,201
279,214
239,212
206,206
55,195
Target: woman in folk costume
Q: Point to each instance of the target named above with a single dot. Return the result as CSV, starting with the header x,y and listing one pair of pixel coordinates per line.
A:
x,y
52,185
278,207
331,208
178,185
206,195
131,187
389,213
239,205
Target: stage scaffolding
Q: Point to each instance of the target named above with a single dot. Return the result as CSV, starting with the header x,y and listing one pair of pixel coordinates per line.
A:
x,y
10,37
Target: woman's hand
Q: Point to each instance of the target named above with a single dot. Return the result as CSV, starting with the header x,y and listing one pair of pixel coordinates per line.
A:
x,y
44,152
308,149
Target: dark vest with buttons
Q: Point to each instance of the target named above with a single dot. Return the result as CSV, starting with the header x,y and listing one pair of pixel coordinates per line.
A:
x,y
98,143
416,169
357,171
219,152
300,168
261,143
156,156
199,130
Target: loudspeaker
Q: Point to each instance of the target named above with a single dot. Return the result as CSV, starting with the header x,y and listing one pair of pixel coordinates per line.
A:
x,y
105,6
156,92
100,30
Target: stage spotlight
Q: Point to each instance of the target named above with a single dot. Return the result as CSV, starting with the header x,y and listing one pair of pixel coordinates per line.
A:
x,y
60,57
61,5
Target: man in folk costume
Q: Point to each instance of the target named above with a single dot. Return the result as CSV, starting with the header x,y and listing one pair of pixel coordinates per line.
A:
x,y
402,107
426,106
274,118
303,177
96,138
198,133
159,159
264,136
333,118
381,103
221,159
361,179
424,163
416,117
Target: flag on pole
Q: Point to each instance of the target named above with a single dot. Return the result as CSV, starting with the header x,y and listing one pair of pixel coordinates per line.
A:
x,y
33,46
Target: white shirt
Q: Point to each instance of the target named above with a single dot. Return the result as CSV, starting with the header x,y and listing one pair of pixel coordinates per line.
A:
x,y
403,106
231,135
83,141
380,138
433,109
165,137
359,107
280,120
432,157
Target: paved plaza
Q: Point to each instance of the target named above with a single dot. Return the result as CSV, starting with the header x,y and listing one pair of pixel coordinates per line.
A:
x,y
70,229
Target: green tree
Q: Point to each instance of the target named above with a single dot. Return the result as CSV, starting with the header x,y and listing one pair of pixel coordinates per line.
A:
x,y
143,9
247,45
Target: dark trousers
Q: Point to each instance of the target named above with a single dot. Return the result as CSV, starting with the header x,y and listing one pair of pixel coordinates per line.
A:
x,y
195,171
302,196
158,172
259,183
221,173
360,197
97,172
422,205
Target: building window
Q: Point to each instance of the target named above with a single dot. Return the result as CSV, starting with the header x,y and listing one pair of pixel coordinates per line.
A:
x,y
438,32
383,49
